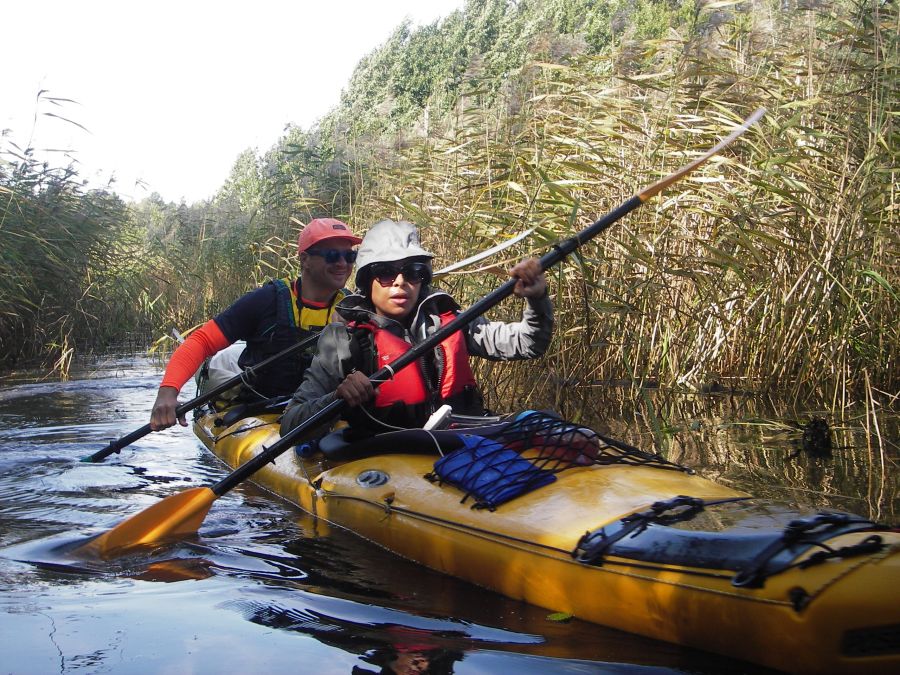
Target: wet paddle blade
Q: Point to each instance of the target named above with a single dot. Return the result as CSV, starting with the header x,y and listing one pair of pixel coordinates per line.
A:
x,y
481,256
738,131
175,516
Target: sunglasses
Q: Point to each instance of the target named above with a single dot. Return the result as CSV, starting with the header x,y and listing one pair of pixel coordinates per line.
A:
x,y
413,272
332,255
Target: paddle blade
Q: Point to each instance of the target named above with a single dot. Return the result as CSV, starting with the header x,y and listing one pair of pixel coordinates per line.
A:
x,y
738,131
174,516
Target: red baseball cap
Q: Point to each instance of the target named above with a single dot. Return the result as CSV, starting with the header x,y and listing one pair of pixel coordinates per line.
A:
x,y
320,229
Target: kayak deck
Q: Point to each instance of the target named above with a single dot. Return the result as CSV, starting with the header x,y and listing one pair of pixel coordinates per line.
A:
x,y
801,620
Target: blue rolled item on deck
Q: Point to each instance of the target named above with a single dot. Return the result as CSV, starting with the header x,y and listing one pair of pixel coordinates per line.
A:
x,y
308,449
490,472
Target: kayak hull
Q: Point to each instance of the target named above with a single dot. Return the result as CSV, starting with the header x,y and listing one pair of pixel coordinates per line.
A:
x,y
839,616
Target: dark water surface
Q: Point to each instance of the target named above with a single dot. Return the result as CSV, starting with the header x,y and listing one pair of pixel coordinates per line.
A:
x,y
265,587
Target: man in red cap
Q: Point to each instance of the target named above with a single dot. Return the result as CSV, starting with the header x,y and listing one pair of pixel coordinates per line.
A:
x,y
269,319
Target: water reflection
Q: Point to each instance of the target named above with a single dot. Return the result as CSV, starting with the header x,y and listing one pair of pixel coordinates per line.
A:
x,y
177,569
394,647
756,444
264,585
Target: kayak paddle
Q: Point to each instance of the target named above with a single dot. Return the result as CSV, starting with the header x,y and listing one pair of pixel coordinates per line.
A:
x,y
182,513
212,394
137,434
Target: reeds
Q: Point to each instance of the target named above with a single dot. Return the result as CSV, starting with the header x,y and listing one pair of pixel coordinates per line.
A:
x,y
774,268
68,264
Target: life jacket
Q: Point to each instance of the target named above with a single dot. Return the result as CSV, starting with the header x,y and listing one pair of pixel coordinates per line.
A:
x,y
293,322
420,388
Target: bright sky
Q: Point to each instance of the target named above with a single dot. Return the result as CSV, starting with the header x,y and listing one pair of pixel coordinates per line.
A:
x,y
170,92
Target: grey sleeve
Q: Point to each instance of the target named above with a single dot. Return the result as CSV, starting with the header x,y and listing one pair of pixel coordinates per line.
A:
x,y
319,381
525,339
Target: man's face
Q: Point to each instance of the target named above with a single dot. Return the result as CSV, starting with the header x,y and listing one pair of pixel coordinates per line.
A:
x,y
316,263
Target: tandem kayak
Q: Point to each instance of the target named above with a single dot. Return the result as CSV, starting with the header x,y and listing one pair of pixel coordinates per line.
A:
x,y
562,518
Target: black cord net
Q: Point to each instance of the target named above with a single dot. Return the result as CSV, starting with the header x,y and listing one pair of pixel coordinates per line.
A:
x,y
526,453
553,444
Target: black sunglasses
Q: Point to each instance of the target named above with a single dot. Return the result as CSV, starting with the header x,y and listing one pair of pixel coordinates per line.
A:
x,y
332,255
413,272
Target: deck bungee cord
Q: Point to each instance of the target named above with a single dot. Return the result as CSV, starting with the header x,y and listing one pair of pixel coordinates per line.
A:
x,y
524,455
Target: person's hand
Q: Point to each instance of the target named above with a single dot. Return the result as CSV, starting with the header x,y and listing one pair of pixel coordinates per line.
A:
x,y
163,414
355,389
530,279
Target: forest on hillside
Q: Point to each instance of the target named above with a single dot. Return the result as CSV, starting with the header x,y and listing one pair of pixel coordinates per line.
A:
x,y
775,267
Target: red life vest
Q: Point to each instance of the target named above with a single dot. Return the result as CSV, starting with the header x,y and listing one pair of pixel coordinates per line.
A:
x,y
409,385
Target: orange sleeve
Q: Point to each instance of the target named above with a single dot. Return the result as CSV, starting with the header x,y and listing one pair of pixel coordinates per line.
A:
x,y
202,343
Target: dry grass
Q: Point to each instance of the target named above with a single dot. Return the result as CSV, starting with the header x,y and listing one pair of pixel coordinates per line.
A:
x,y
774,268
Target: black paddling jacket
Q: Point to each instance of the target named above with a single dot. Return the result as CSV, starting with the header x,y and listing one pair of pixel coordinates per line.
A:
x,y
291,323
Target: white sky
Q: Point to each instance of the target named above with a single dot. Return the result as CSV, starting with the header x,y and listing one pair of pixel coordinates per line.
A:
x,y
172,91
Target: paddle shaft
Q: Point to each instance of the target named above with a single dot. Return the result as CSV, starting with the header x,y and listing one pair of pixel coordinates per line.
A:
x,y
137,434
186,407
464,318
559,252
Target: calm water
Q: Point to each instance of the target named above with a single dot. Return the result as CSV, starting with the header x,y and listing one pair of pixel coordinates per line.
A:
x,y
266,587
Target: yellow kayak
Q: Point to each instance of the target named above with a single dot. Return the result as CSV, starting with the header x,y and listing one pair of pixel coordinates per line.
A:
x,y
624,539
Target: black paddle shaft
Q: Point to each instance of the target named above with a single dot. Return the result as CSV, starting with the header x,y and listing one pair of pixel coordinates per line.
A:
x,y
464,318
137,434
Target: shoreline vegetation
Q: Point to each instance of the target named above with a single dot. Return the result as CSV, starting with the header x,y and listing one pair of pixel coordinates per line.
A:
x,y
773,269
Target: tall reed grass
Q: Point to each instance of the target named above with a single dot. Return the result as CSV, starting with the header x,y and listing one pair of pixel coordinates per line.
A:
x,y
774,268
71,273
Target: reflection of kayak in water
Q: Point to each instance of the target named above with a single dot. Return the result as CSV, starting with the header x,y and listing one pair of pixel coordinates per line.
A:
x,y
619,537
386,645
